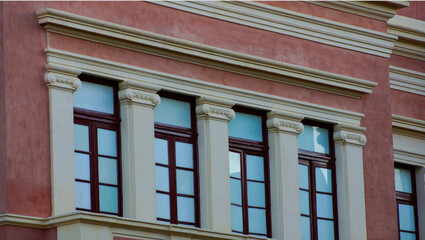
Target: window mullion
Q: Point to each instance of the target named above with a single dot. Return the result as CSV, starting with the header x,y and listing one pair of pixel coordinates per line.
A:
x,y
173,180
244,183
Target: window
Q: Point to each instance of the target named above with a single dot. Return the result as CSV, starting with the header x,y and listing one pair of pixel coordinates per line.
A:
x,y
317,182
177,195
249,175
406,202
97,147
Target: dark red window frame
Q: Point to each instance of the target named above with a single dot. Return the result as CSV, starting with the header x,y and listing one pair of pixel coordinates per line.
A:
x,y
408,199
95,120
321,160
244,147
175,134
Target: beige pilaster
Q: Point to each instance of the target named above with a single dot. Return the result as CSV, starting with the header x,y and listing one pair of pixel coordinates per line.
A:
x,y
349,142
83,231
62,82
283,129
213,116
137,102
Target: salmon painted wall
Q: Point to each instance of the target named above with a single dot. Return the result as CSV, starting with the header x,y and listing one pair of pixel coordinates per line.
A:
x,y
415,10
3,162
25,233
27,113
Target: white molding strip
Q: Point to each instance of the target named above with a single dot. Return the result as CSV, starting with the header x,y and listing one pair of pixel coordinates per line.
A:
x,y
381,10
407,157
200,54
407,80
124,72
266,17
408,123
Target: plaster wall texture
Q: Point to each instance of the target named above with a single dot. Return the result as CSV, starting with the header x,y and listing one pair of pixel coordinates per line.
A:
x,y
3,162
415,10
409,63
24,233
331,14
408,104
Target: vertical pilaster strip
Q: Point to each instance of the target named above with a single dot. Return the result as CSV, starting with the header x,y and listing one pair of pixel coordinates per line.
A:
x,y
420,198
138,156
283,129
349,142
62,82
213,116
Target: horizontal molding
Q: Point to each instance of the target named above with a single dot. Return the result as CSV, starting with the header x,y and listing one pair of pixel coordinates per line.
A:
x,y
409,127
120,224
381,10
193,87
186,51
266,17
406,157
411,34
407,80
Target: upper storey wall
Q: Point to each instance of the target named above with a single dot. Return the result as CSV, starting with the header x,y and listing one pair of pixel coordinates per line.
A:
x,y
415,10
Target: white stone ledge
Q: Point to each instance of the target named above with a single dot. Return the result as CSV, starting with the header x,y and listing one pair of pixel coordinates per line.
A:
x,y
407,80
412,124
187,51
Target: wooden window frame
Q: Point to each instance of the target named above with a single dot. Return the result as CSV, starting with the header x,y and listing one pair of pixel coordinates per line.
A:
x,y
175,134
95,120
322,160
250,147
408,199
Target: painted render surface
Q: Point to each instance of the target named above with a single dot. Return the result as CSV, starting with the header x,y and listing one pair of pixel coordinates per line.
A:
x,y
25,183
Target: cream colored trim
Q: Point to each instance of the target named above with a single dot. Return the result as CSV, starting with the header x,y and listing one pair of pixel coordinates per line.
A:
x,y
407,80
266,17
119,225
217,109
200,54
383,10
349,134
408,123
62,78
284,122
407,157
194,87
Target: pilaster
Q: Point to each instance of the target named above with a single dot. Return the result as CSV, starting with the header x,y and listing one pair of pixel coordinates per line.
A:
x,y
137,102
213,116
283,129
349,141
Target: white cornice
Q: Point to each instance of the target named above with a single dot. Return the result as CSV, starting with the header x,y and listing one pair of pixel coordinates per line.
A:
x,y
200,54
278,121
381,10
291,23
408,123
407,80
194,87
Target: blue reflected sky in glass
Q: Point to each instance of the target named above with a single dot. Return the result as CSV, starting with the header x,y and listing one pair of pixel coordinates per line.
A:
x,y
246,126
325,230
257,221
108,199
81,137
255,167
107,142
407,236
237,222
235,164
403,180
324,180
108,170
185,182
161,151
406,217
82,166
324,205
173,112
256,194
95,97
235,191
162,180
314,139
184,155
82,195
186,209
163,206
304,202
305,228
303,175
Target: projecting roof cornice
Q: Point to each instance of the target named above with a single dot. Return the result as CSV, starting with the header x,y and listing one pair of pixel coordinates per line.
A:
x,y
274,19
182,50
411,36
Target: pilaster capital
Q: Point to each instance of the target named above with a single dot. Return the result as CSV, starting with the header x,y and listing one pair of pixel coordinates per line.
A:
x,y
63,78
138,93
344,133
278,121
219,109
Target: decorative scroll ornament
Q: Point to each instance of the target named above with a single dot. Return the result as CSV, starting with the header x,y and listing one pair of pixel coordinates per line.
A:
x,y
140,97
211,111
349,137
62,78
277,124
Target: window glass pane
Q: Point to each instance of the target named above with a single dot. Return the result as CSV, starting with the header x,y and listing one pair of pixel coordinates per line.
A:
x,y
83,195
186,209
324,180
235,191
184,155
81,137
162,179
107,142
95,97
173,112
303,175
325,229
406,217
185,182
163,206
82,166
235,164
324,205
108,170
161,151
403,180
305,228
237,223
246,126
256,194
257,221
108,199
314,139
304,202
255,168
407,236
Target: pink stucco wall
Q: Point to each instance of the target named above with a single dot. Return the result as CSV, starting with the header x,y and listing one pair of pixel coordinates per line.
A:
x,y
26,233
415,10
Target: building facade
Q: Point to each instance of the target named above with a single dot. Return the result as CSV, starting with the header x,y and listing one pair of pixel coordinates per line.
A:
x,y
212,120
